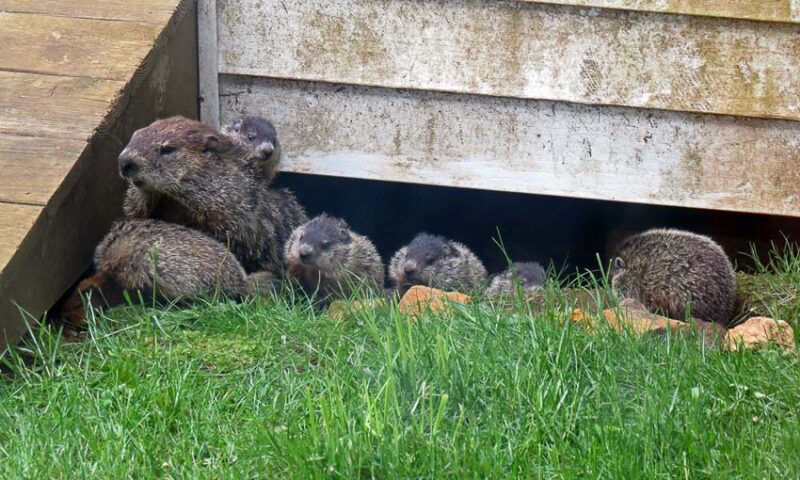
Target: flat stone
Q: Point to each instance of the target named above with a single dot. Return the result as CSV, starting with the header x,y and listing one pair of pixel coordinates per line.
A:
x,y
759,331
633,316
419,299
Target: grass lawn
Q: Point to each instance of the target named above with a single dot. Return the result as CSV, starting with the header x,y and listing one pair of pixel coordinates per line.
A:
x,y
273,389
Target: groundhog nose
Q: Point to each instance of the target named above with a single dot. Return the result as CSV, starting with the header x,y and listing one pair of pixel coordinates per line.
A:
x,y
305,252
126,166
409,268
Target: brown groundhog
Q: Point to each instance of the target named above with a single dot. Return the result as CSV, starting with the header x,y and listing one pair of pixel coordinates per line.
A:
x,y
326,257
187,173
436,262
671,270
261,139
530,276
155,257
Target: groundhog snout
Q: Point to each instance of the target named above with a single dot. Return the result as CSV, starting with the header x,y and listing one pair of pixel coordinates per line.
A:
x,y
409,267
127,164
306,253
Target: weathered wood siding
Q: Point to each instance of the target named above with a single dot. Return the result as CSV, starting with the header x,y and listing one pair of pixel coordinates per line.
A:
x,y
765,10
641,106
515,145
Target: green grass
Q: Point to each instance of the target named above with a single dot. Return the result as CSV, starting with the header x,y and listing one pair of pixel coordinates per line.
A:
x,y
273,390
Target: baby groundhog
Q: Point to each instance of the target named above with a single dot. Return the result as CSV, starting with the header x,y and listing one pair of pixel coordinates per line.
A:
x,y
260,137
436,262
155,257
325,256
670,270
530,276
187,173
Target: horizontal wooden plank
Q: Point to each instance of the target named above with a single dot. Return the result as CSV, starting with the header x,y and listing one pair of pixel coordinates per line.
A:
x,y
53,106
75,47
540,147
520,49
32,168
763,10
17,220
153,11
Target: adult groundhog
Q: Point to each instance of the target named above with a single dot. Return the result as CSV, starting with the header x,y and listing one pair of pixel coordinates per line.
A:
x,y
326,257
671,270
436,262
530,276
163,259
185,172
261,139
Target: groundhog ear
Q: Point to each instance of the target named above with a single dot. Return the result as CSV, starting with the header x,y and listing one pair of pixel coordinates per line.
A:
x,y
619,264
211,143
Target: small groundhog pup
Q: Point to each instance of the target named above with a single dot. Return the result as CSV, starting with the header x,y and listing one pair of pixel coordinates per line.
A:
x,y
156,257
326,257
670,270
187,173
436,262
261,139
530,276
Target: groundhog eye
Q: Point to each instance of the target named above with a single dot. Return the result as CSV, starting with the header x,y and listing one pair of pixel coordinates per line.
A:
x,y
166,149
251,136
326,244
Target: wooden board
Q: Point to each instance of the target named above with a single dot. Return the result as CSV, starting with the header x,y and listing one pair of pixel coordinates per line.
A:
x,y
17,221
73,46
207,61
764,10
54,106
152,11
540,147
77,91
520,49
32,168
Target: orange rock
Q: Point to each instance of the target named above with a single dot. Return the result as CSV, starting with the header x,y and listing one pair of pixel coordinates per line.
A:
x,y
632,315
419,299
759,331
583,318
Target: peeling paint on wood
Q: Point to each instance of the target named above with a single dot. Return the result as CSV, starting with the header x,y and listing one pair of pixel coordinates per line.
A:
x,y
540,147
521,49
763,10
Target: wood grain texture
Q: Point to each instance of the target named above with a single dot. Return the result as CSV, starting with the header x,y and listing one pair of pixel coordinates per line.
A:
x,y
522,50
32,168
151,11
763,10
207,61
54,106
17,221
58,113
539,147
74,47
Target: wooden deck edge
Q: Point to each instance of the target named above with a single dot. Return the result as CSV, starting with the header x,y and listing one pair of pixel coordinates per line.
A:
x,y
59,247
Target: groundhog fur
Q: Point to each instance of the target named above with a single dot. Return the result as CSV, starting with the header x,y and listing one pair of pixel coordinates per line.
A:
x,y
162,259
329,260
668,270
436,262
530,276
260,138
187,173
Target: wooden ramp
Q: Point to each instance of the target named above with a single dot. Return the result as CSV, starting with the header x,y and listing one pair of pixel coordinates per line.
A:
x,y
682,103
76,78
